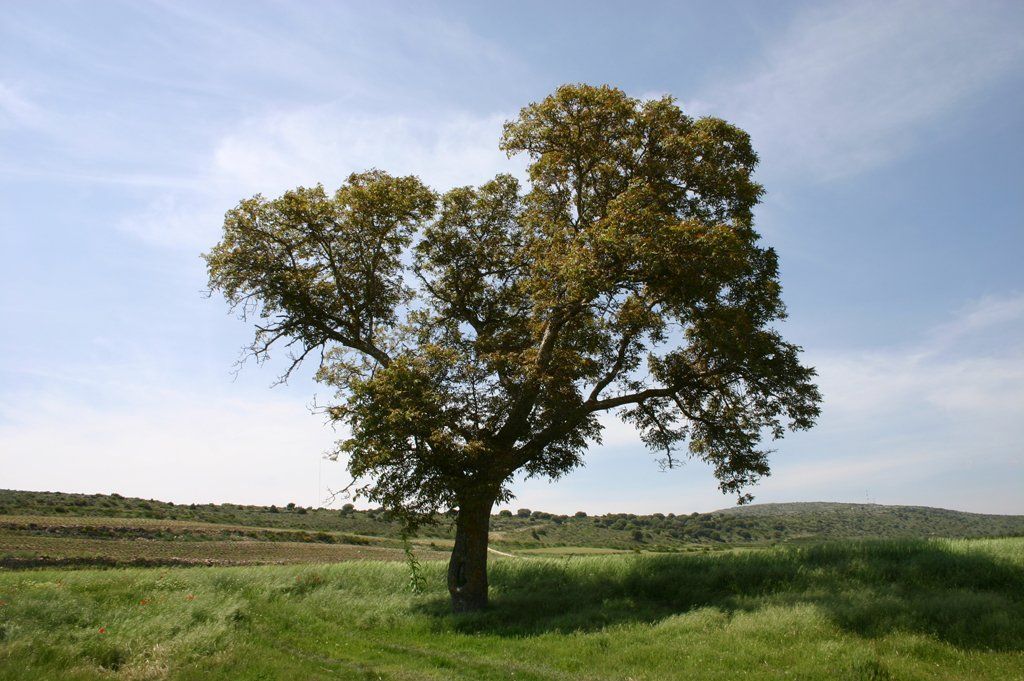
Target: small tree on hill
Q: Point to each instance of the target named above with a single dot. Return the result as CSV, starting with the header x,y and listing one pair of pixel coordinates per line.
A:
x,y
481,333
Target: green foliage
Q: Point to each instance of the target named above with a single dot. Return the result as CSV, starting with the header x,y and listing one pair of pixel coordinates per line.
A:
x,y
417,582
481,332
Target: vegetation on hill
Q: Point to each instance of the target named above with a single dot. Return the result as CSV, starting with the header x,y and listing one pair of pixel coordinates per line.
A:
x,y
935,609
526,529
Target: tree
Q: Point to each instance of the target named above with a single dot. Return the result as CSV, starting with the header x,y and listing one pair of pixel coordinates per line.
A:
x,y
480,333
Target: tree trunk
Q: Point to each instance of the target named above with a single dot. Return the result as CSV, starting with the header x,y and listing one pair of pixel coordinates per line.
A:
x,y
467,570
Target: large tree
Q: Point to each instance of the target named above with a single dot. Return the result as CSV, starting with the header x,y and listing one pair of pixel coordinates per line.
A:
x,y
481,333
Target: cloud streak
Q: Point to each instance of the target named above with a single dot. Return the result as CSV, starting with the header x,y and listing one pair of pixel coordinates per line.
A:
x,y
851,86
272,153
185,444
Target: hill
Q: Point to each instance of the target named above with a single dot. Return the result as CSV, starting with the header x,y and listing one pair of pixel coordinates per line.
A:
x,y
60,528
826,520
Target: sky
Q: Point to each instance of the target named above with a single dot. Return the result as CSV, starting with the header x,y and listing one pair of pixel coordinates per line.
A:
x,y
889,133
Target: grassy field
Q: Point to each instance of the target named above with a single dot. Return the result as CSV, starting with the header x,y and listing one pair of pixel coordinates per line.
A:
x,y
20,551
933,609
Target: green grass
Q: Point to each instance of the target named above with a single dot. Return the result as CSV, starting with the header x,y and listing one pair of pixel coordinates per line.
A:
x,y
851,610
26,551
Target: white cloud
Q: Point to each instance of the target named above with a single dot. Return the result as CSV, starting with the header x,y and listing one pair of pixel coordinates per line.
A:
x,y
945,370
852,85
182,445
19,112
936,423
324,144
893,418
271,153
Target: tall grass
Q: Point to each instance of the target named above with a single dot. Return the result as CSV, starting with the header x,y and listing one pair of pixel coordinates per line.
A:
x,y
851,610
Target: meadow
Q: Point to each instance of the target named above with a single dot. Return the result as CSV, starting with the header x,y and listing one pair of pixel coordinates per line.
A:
x,y
854,610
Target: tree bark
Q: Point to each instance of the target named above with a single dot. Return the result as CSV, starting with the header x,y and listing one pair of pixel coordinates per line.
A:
x,y
467,570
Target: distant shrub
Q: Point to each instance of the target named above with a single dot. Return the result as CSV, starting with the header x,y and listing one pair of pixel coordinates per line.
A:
x,y
291,506
524,513
579,514
273,509
505,513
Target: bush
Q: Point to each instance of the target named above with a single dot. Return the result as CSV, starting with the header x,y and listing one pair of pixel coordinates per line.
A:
x,y
505,513
579,514
524,513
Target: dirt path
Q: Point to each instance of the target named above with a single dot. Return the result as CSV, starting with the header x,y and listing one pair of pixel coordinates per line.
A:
x,y
501,553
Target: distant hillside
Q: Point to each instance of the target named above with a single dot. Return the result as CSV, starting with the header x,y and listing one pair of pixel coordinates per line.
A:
x,y
524,530
820,519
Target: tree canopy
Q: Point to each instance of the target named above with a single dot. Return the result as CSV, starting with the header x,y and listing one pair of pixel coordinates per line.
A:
x,y
481,332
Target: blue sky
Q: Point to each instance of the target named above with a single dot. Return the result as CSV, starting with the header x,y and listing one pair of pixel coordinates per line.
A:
x,y
890,136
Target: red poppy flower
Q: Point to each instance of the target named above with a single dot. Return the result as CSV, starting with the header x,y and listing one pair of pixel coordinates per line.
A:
x,y
103,630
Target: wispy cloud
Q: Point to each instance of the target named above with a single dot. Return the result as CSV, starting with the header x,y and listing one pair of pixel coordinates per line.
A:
x,y
903,423
271,153
16,111
182,443
325,143
22,114
949,369
851,86
953,402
